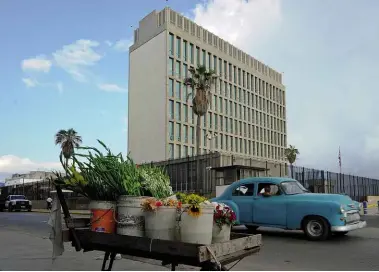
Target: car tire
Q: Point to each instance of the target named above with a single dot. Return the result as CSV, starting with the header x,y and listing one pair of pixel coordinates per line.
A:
x,y
30,209
251,229
316,228
340,233
10,208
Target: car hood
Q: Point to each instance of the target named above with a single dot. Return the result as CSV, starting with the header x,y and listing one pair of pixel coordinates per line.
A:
x,y
344,200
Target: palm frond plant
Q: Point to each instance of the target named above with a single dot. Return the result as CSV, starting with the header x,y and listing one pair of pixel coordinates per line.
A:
x,y
68,140
200,81
291,153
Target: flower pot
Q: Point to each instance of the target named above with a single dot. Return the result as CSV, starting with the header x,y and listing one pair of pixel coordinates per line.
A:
x,y
197,230
103,216
222,234
161,224
130,217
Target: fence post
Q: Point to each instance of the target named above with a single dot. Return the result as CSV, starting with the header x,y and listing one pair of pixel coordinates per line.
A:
x,y
365,207
302,177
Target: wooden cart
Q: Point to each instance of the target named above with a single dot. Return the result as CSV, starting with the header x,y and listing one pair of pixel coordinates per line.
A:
x,y
208,257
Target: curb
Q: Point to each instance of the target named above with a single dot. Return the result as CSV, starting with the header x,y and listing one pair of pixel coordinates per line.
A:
x,y
71,212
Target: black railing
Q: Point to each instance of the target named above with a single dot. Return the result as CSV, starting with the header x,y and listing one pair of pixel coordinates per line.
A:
x,y
320,181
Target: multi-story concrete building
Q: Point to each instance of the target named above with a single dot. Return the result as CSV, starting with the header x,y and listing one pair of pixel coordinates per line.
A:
x,y
247,114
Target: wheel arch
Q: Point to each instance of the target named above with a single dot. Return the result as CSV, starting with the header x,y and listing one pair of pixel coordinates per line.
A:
x,y
310,216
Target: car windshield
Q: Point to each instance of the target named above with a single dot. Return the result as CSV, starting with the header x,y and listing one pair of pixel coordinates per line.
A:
x,y
293,188
17,197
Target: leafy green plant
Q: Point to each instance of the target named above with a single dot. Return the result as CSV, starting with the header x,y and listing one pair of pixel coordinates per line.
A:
x,y
155,181
105,176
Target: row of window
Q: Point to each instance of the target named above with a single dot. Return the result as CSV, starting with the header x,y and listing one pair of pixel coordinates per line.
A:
x,y
180,91
207,37
191,54
185,133
231,144
182,112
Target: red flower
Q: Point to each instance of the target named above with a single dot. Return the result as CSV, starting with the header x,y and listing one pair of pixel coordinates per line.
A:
x,y
158,204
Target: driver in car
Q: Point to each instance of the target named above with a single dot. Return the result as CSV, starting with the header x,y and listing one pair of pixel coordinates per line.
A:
x,y
266,191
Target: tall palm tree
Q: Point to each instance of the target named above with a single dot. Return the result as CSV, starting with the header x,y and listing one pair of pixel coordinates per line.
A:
x,y
291,153
68,140
200,81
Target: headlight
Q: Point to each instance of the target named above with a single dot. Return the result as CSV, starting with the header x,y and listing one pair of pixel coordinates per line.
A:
x,y
342,210
30,203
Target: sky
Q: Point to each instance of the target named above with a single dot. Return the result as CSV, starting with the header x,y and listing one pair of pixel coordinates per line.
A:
x,y
64,64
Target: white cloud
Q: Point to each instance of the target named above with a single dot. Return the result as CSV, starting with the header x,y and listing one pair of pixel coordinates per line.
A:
x,y
112,88
123,45
39,64
30,82
75,58
14,164
109,43
331,80
245,24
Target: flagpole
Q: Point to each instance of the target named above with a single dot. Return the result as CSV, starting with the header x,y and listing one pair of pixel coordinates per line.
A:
x,y
339,159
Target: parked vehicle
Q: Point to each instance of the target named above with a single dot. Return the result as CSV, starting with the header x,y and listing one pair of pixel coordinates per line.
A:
x,y
284,203
15,203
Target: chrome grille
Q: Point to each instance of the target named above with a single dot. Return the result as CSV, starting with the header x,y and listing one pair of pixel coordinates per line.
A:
x,y
353,217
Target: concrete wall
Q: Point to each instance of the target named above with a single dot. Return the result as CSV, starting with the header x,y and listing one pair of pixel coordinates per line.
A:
x,y
73,204
148,100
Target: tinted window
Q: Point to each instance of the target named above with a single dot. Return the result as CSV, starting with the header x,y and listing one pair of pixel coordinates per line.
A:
x,y
244,190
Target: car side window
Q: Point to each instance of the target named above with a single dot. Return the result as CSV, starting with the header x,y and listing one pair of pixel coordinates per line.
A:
x,y
244,190
268,189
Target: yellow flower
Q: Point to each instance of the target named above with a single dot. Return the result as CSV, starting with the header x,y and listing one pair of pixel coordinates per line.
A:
x,y
194,211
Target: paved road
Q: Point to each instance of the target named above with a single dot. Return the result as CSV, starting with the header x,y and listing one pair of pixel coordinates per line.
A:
x,y
283,250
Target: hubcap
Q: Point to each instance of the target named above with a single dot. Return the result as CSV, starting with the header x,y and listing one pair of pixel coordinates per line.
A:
x,y
314,228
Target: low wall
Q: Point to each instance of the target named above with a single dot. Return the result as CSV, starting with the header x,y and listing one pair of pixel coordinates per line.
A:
x,y
73,204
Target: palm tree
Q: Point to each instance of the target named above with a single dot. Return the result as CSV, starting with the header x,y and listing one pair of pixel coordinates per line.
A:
x,y
69,140
291,153
200,82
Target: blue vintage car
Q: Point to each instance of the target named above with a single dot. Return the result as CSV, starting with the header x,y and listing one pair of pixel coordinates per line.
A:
x,y
284,203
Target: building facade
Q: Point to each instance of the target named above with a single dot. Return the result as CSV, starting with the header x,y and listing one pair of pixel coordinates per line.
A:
x,y
247,113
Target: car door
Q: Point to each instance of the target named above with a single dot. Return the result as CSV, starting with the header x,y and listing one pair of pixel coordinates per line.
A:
x,y
270,210
243,197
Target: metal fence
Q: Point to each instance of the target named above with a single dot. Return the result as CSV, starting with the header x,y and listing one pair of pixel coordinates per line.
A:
x,y
39,190
187,176
321,181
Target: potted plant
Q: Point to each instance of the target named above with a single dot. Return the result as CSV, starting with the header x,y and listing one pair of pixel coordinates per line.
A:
x,y
196,219
160,218
223,219
102,178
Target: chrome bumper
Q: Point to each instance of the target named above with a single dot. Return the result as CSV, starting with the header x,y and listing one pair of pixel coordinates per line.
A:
x,y
349,227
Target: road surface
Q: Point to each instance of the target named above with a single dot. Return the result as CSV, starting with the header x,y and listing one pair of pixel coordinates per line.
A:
x,y
27,248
